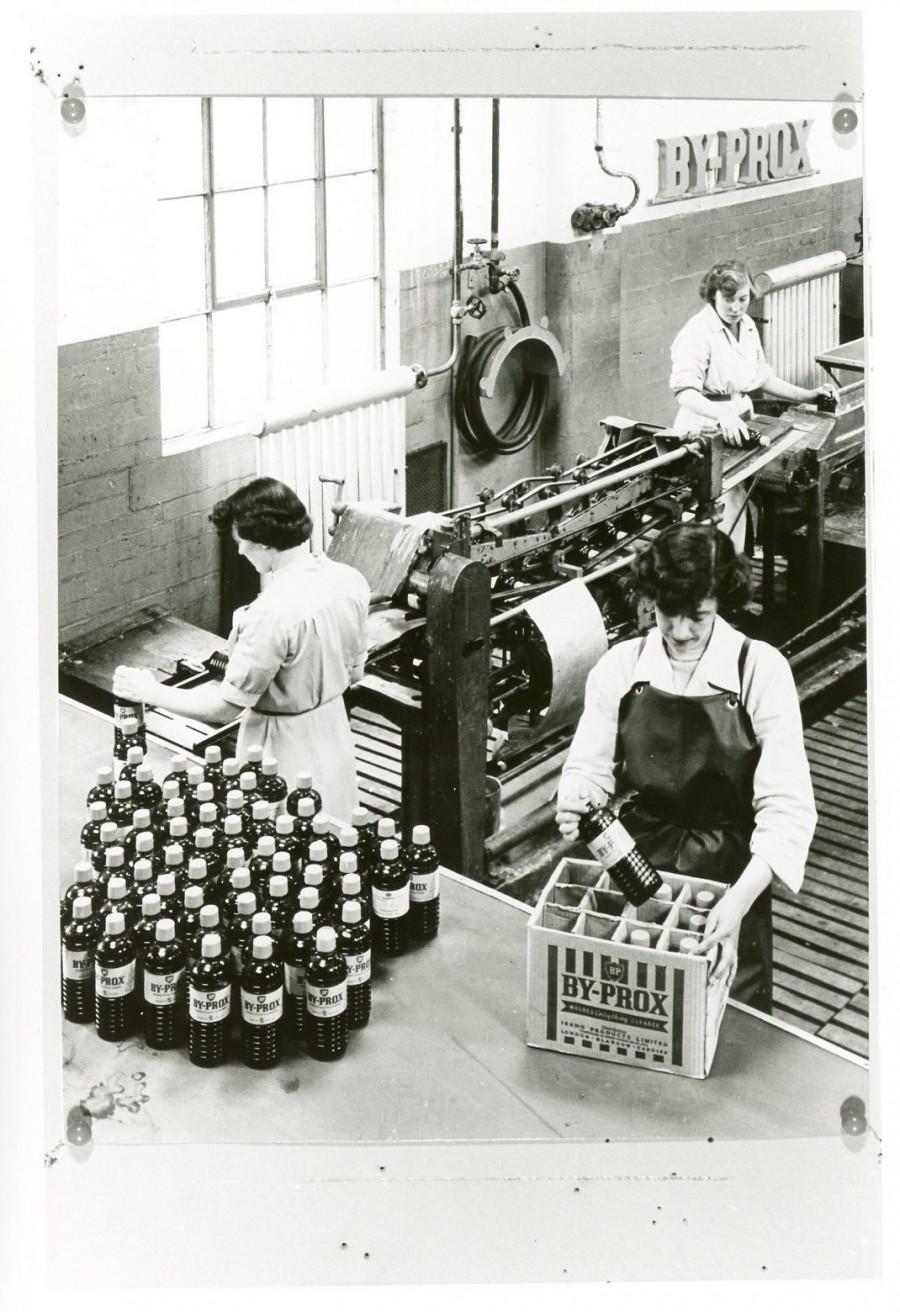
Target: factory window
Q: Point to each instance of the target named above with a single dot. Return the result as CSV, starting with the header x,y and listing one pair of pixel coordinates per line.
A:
x,y
270,254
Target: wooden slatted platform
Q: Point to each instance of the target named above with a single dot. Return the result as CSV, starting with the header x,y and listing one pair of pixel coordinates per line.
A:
x,y
822,933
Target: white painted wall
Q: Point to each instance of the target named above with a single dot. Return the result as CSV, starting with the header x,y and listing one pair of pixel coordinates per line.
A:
x,y
107,199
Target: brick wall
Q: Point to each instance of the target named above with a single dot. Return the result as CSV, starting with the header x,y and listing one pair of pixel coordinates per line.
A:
x,y
615,303
133,528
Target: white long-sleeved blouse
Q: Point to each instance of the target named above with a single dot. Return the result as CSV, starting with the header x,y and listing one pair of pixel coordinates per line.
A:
x,y
783,804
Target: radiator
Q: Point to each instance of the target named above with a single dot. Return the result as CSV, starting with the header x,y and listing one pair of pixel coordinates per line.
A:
x,y
345,444
801,316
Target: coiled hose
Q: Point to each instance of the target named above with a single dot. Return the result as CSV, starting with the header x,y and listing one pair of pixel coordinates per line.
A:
x,y
525,419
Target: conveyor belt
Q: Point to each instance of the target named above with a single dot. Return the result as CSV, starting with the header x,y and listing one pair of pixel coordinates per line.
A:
x,y
822,932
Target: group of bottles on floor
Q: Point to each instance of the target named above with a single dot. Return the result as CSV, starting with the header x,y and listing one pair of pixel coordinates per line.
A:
x,y
220,910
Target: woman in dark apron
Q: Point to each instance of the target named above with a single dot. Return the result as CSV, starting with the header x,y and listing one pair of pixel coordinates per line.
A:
x,y
698,732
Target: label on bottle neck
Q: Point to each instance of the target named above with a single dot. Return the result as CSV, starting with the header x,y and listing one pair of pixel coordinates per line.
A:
x,y
162,990
324,1000
209,1005
127,713
359,968
77,965
295,979
390,904
424,885
612,844
114,981
262,1008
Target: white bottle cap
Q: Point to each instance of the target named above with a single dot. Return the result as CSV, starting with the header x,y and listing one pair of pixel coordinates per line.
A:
x,y
663,893
206,813
97,812
205,793
640,938
309,898
386,828
349,863
313,875
705,899
284,824
105,775
170,790
114,857
151,904
116,889
175,807
135,755
389,849
281,862
351,884
351,913
123,789
262,922
269,765
165,885
165,930
262,947
321,824
689,945
255,753
193,897
195,776
213,755
109,832
240,877
266,845
318,852
84,872
81,908
236,859
302,922
326,939
211,945
179,763
304,780
278,886
231,766
359,816
306,808
233,824
197,870
141,818
143,843
348,838
697,922
209,915
144,773
174,854
246,904
234,799
261,810
248,781
115,923
143,870
178,827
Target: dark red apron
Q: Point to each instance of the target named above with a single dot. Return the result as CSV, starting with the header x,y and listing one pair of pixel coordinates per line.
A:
x,y
691,761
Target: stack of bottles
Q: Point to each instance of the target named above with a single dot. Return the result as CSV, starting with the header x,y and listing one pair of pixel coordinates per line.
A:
x,y
217,909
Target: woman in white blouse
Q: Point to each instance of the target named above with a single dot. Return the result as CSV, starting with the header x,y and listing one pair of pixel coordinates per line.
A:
x,y
698,729
717,362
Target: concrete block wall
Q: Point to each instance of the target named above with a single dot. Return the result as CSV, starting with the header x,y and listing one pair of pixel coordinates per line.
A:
x,y
133,526
615,302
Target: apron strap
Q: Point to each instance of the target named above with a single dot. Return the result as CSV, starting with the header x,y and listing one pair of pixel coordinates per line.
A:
x,y
741,664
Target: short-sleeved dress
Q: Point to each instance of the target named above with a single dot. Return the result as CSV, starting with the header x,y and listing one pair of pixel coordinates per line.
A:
x,y
707,356
291,653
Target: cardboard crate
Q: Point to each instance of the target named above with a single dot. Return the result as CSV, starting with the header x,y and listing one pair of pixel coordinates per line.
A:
x,y
594,994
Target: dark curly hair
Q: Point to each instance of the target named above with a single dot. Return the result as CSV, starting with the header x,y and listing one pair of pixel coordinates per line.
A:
x,y
685,564
726,276
264,511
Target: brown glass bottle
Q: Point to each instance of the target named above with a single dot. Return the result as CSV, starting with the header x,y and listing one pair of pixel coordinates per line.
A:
x,y
616,851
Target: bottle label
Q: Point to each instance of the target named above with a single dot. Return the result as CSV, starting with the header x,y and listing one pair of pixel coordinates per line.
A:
x,y
612,845
425,885
77,965
210,1005
262,1008
295,979
390,904
127,713
114,981
359,968
162,990
326,1000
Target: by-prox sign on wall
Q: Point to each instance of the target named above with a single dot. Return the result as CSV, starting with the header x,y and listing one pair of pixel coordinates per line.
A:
x,y
709,162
